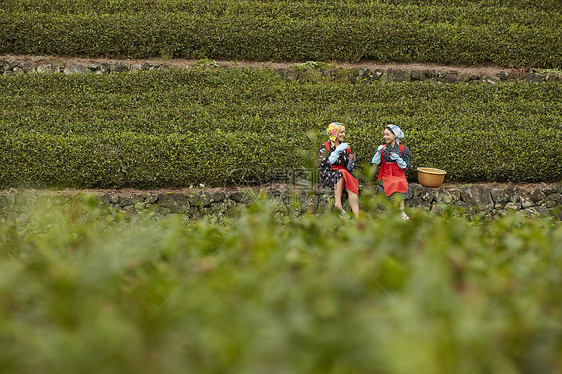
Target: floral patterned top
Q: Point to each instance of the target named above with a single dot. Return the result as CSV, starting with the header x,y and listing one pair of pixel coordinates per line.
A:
x,y
328,176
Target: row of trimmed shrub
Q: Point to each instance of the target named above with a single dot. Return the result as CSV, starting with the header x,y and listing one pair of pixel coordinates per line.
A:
x,y
465,33
182,101
277,8
214,159
137,160
177,128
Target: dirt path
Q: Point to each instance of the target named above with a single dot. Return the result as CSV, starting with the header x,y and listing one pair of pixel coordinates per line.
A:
x,y
490,70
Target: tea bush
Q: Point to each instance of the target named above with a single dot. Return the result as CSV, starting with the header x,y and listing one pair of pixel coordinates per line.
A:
x,y
85,289
177,128
515,33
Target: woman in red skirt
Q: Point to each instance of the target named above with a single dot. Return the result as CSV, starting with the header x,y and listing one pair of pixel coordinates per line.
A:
x,y
394,159
337,160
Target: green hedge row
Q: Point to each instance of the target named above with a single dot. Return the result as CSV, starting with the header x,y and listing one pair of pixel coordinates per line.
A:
x,y
137,160
181,101
180,127
297,8
144,161
512,34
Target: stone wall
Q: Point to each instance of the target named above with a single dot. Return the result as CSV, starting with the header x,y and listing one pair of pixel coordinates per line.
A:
x,y
194,203
298,72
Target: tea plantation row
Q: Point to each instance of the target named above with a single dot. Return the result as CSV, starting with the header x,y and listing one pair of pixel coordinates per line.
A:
x,y
179,127
516,33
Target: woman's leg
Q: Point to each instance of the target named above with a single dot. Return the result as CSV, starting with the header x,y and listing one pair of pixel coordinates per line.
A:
x,y
353,202
404,215
338,191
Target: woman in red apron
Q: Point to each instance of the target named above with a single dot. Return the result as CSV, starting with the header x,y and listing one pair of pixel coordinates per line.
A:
x,y
394,159
337,160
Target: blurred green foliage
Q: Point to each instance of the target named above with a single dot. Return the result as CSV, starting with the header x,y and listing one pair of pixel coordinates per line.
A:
x,y
180,127
86,289
507,33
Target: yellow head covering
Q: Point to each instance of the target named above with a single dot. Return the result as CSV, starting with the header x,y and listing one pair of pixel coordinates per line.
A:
x,y
333,130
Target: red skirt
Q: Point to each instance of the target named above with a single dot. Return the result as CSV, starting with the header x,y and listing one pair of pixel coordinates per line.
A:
x,y
349,181
393,179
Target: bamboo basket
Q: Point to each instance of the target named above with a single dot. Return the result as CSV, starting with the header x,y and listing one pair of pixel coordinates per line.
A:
x,y
430,177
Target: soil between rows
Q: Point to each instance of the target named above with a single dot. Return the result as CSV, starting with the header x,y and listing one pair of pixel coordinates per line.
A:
x,y
37,60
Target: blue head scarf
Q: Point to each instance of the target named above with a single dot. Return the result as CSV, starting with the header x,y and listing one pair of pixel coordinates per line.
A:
x,y
397,132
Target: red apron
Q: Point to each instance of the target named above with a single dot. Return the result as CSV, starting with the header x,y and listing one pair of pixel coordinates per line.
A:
x,y
393,178
350,182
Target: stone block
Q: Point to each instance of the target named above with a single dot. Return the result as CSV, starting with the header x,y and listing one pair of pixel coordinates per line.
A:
x,y
539,78
99,68
120,67
464,77
417,75
113,198
451,78
147,66
456,193
175,202
401,76
416,189
549,204
513,206
429,74
218,196
49,68
526,200
427,195
76,69
536,211
479,197
499,196
150,198
556,197
237,196
363,75
502,76
444,197
392,75
16,70
460,204
538,196
377,74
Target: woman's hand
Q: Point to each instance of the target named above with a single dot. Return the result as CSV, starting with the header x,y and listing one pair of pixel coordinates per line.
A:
x,y
401,163
336,153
